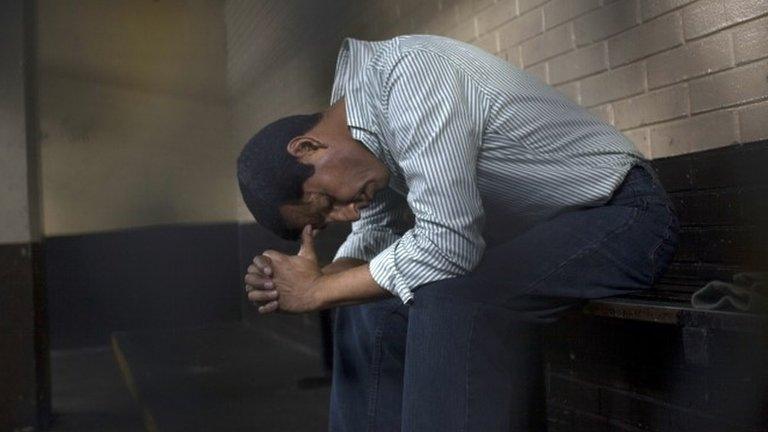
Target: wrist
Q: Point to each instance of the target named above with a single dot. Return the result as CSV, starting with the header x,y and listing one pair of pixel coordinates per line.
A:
x,y
320,293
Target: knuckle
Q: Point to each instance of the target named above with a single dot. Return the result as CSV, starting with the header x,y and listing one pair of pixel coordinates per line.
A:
x,y
254,281
256,296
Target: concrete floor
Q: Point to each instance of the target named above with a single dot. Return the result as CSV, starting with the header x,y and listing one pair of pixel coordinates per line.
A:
x,y
89,394
219,379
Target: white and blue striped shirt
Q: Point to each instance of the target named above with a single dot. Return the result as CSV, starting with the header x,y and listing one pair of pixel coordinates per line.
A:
x,y
472,145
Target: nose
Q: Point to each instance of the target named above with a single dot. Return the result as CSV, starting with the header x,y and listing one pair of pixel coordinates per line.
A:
x,y
346,213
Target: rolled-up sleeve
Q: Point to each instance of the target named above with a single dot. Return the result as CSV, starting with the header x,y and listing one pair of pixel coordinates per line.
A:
x,y
380,224
434,114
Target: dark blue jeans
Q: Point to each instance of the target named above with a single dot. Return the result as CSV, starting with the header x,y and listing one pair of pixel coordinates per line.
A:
x,y
457,358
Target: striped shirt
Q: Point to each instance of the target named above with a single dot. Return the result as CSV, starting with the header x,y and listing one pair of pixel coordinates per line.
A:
x,y
472,144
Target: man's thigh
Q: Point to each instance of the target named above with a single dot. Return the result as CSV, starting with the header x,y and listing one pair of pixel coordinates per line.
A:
x,y
588,253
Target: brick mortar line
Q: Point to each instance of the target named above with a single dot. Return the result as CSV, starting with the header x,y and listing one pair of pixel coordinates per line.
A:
x,y
497,27
643,58
613,36
541,6
611,101
548,59
476,12
607,39
525,40
569,21
670,122
585,76
673,10
728,27
731,107
656,123
737,66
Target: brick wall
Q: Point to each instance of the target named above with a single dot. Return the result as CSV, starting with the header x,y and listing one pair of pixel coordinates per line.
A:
x,y
613,375
676,76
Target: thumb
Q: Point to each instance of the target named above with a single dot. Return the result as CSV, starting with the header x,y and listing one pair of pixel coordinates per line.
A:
x,y
307,249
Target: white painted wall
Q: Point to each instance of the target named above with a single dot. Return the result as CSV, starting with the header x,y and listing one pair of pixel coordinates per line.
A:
x,y
135,125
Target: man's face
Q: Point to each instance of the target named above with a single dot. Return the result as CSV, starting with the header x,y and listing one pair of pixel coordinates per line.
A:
x,y
345,181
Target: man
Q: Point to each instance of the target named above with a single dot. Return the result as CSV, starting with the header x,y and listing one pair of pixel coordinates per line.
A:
x,y
481,200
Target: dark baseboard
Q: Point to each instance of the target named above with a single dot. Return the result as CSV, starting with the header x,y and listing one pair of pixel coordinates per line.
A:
x,y
24,375
145,278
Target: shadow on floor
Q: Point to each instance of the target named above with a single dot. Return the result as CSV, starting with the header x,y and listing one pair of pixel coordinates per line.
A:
x,y
226,378
89,394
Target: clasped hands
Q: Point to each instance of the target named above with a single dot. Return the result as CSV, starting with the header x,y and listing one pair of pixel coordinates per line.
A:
x,y
286,283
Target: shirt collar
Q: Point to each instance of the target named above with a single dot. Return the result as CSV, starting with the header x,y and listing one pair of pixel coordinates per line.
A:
x,y
351,82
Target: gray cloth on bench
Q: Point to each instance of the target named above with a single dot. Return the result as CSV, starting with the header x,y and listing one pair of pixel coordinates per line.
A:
x,y
745,293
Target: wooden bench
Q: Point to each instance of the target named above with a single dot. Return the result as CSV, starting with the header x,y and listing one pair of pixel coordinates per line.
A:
x,y
650,361
721,198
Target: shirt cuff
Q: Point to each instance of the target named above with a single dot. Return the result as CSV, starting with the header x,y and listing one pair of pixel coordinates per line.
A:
x,y
384,272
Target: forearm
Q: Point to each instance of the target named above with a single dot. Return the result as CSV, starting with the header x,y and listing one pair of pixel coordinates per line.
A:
x,y
342,264
351,286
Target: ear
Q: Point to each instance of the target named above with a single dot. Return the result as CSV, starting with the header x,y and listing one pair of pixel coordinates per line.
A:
x,y
303,146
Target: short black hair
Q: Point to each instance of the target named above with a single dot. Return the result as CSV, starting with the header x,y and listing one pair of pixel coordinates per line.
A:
x,y
269,176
